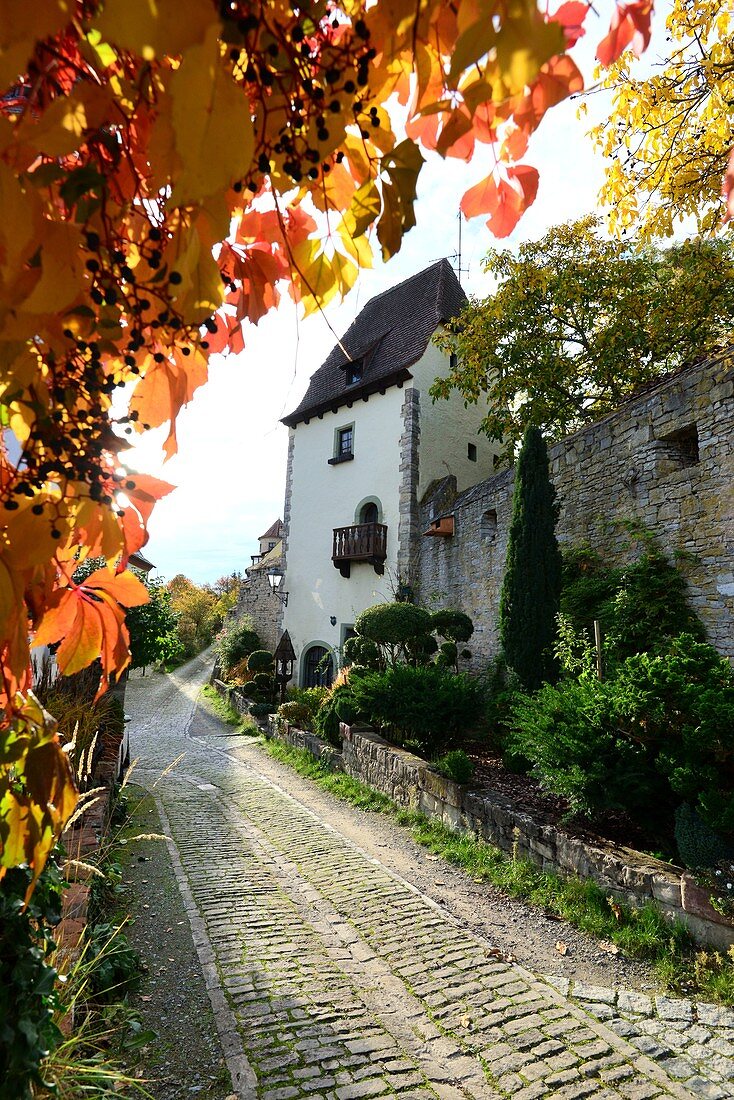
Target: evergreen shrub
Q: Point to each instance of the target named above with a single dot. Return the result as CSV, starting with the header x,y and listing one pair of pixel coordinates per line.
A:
x,y
296,714
426,707
455,765
260,660
660,732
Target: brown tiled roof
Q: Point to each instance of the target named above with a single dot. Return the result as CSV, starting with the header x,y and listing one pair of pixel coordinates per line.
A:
x,y
274,531
388,336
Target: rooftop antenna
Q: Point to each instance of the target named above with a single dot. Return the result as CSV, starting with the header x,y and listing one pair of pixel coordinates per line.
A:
x,y
455,258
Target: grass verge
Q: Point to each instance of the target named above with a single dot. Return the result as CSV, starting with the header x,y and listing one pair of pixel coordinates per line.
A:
x,y
641,933
242,722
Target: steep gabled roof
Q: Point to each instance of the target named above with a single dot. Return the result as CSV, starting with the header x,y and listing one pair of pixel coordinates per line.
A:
x,y
274,531
388,336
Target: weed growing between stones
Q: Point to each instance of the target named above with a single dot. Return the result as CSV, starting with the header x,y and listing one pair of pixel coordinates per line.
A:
x,y
227,713
343,786
641,933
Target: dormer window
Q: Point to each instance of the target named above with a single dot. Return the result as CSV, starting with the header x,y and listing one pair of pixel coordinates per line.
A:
x,y
354,373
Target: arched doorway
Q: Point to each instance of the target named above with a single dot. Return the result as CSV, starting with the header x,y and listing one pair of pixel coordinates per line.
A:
x,y
369,513
318,667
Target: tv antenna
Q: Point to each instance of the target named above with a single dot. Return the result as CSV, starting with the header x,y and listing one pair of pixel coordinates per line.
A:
x,y
455,258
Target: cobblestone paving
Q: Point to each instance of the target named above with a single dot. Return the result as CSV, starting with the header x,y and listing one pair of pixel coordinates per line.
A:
x,y
334,979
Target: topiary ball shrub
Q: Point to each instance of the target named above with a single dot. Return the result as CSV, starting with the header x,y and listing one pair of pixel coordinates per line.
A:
x,y
455,765
429,708
394,628
361,651
448,655
261,660
261,710
263,681
453,625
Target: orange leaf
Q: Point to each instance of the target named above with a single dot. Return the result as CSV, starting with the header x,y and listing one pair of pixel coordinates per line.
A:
x,y
124,587
82,644
630,25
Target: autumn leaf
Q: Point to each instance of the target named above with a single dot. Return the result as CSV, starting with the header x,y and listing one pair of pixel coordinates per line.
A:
x,y
571,17
630,25
505,198
212,124
37,790
155,29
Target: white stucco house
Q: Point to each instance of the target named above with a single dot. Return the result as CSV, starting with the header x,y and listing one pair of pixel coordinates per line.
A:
x,y
365,443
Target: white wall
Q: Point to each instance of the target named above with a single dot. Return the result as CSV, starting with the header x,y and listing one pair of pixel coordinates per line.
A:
x,y
324,497
446,430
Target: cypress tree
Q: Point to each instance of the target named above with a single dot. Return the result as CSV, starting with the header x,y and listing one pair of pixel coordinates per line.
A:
x,y
531,588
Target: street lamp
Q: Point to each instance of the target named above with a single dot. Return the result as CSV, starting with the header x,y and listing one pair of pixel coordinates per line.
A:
x,y
284,657
275,579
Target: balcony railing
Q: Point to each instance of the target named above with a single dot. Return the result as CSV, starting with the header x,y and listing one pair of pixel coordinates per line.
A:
x,y
360,542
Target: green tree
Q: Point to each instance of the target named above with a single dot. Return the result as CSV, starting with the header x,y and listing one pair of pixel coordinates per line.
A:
x,y
531,589
152,626
577,323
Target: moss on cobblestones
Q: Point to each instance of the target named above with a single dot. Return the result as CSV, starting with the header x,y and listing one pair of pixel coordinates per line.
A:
x,y
642,933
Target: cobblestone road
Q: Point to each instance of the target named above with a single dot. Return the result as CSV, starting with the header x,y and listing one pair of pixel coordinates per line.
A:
x,y
332,977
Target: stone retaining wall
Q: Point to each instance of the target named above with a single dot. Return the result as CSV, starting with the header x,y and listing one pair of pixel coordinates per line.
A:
x,y
663,461
628,875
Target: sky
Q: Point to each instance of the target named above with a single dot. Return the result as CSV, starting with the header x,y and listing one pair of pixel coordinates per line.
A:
x,y
230,469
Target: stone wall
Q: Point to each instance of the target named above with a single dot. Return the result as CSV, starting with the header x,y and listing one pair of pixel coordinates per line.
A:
x,y
409,781
265,609
664,460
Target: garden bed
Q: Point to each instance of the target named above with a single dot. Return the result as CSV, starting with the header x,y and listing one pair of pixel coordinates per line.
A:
x,y
527,794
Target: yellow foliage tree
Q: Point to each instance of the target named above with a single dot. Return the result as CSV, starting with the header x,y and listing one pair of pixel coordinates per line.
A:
x,y
670,134
167,171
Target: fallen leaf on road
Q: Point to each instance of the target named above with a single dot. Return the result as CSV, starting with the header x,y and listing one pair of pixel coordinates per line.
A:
x,y
561,947
610,948
505,956
465,1021
433,859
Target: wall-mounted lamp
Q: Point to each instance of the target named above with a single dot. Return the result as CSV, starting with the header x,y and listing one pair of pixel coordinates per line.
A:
x,y
275,579
332,620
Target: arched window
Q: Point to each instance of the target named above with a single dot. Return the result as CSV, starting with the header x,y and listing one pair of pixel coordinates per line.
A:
x,y
369,513
318,667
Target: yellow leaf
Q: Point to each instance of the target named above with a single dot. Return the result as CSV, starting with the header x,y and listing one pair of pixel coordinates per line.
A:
x,y
524,44
20,233
60,129
155,28
61,269
22,24
212,124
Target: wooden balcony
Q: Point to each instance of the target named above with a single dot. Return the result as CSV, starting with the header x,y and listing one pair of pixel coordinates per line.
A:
x,y
360,542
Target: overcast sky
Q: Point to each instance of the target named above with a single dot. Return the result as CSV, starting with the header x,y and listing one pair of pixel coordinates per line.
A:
x,y
230,469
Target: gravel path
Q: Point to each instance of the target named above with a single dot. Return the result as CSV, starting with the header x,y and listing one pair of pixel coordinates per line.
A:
x,y
341,961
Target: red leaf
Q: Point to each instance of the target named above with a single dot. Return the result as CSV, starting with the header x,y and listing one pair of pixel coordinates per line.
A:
x,y
630,25
504,198
571,16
